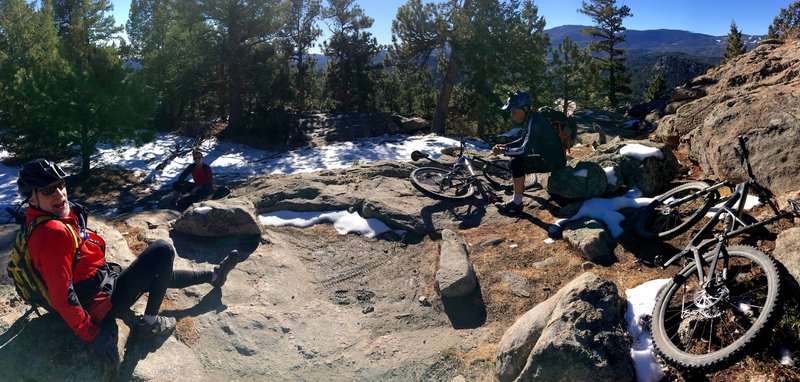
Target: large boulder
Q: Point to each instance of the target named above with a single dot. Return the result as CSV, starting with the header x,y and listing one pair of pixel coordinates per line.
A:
x,y
749,95
572,336
341,127
650,173
590,239
583,180
216,218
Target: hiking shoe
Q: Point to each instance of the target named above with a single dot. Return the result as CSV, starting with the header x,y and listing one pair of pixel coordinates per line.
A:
x,y
224,267
163,326
509,207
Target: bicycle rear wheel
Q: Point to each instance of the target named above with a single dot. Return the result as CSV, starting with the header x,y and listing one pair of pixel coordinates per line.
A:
x,y
441,183
498,173
696,327
661,221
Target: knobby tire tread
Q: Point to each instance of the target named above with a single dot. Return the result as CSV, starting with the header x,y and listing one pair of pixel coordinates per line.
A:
x,y
729,354
648,213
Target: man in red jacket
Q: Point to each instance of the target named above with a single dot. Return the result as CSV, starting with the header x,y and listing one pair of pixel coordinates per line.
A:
x,y
202,185
90,293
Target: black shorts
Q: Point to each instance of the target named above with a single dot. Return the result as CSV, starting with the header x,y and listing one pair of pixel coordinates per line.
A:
x,y
517,166
521,165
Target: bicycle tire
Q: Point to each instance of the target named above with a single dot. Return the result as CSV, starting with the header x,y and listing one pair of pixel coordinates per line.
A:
x,y
748,306
439,183
499,175
659,221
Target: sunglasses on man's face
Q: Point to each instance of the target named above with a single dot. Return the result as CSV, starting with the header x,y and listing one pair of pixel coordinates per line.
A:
x,y
50,190
198,157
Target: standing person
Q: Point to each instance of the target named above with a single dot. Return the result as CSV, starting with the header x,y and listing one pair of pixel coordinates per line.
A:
x,y
85,290
202,185
538,150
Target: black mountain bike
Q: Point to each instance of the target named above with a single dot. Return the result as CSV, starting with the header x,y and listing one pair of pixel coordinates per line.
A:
x,y
717,306
458,181
675,211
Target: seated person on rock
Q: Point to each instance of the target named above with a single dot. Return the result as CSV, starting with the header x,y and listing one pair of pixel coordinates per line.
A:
x,y
86,291
538,150
202,185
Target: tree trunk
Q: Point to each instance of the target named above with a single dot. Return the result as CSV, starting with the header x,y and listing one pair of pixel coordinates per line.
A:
x,y
443,103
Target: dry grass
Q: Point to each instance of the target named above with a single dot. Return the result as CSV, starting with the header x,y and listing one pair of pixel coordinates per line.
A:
x,y
132,236
186,330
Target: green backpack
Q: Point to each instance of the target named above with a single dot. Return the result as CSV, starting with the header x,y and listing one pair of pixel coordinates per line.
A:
x,y
565,127
27,280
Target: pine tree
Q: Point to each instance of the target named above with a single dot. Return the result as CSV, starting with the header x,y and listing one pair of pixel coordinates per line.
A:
x,y
419,31
787,24
735,46
299,33
350,51
572,75
99,100
30,66
655,88
609,34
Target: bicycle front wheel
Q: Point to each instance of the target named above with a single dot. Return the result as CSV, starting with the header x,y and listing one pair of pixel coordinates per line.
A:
x,y
660,220
498,173
441,183
707,327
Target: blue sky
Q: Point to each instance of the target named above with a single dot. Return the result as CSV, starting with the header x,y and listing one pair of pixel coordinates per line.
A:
x,y
711,17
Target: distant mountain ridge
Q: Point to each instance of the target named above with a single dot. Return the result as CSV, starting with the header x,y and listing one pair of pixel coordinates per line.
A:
x,y
657,41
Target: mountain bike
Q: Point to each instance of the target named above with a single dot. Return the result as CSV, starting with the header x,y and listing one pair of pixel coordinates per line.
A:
x,y
458,180
675,211
726,297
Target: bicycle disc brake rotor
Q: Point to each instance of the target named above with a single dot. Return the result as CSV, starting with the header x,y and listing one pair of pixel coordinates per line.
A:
x,y
707,299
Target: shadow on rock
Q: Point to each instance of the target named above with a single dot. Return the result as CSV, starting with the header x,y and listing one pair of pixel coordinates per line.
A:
x,y
467,312
137,347
213,249
211,302
45,349
467,214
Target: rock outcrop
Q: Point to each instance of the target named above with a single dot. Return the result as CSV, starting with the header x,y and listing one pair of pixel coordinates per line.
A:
x,y
756,95
573,335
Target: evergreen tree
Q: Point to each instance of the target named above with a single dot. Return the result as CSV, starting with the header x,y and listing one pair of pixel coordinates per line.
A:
x,y
99,100
525,55
238,30
300,32
609,34
418,32
787,24
655,88
350,51
30,66
178,59
735,45
573,76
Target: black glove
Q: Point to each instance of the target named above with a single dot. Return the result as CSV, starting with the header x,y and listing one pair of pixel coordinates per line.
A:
x,y
104,347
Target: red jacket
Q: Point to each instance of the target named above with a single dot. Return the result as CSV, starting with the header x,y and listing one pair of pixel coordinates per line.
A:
x,y
52,249
201,175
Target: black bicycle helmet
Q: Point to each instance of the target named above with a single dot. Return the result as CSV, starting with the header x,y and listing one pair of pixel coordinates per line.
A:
x,y
517,100
38,173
